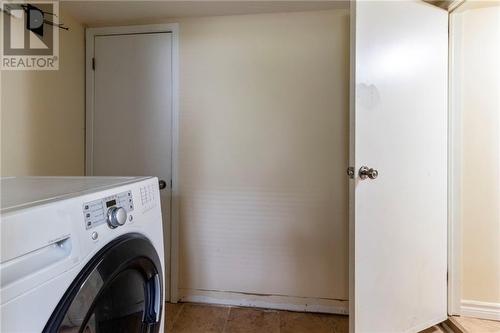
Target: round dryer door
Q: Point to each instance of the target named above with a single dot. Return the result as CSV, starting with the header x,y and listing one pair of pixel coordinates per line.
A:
x,y
119,290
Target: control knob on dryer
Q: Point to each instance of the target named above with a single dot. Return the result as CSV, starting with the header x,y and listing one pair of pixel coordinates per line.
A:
x,y
117,216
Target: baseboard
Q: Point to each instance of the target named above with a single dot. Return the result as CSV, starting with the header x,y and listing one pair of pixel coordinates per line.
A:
x,y
482,310
278,302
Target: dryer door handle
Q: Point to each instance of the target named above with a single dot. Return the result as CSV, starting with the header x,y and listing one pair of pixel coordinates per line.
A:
x,y
157,301
153,297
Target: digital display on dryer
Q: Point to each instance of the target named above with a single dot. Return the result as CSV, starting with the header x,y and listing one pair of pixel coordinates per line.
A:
x,y
110,203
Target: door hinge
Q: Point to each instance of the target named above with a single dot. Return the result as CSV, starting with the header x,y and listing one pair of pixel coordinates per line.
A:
x,y
93,64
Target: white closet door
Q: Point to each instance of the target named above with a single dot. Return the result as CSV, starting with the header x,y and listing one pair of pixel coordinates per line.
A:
x,y
132,119
399,122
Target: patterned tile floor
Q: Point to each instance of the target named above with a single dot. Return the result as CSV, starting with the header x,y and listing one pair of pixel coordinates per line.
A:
x,y
203,318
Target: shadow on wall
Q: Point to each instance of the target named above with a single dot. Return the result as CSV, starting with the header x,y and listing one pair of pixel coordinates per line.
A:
x,y
43,113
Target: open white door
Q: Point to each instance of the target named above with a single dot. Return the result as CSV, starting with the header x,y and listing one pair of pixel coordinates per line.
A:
x,y
398,227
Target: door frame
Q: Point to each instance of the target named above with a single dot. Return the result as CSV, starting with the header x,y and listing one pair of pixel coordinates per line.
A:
x,y
173,28
352,160
457,305
454,166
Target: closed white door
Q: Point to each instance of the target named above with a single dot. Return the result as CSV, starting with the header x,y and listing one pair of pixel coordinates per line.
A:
x,y
398,226
132,118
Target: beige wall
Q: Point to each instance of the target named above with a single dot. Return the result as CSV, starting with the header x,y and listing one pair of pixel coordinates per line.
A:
x,y
42,113
480,70
264,138
263,154
263,148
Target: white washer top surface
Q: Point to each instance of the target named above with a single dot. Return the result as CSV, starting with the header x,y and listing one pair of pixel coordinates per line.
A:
x,y
22,192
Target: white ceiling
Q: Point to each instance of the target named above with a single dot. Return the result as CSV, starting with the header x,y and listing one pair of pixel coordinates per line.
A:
x,y
101,13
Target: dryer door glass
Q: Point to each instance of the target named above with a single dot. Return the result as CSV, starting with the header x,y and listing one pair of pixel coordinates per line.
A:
x,y
120,290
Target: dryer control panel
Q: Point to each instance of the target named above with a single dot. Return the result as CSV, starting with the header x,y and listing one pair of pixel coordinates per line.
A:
x,y
95,212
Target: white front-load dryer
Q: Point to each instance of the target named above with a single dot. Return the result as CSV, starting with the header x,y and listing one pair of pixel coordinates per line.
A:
x,y
81,254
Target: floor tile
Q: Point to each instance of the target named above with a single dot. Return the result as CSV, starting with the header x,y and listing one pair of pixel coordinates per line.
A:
x,y
340,324
245,320
434,329
299,322
195,318
474,325
198,318
171,313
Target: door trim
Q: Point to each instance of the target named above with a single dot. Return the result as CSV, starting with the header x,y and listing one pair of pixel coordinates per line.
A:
x,y
352,160
172,28
454,166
